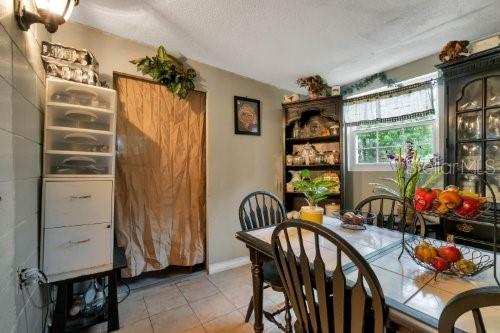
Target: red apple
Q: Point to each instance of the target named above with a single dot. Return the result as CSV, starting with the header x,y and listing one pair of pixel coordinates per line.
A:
x,y
449,253
440,264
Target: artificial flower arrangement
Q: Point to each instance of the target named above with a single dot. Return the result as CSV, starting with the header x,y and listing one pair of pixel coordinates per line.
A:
x,y
410,173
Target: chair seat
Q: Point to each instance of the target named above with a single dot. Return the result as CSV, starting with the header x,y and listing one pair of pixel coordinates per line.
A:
x,y
271,276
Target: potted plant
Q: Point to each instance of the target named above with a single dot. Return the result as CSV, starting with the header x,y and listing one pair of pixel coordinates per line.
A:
x,y
409,169
315,86
315,190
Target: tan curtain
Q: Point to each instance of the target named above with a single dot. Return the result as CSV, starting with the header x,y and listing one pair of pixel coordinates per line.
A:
x,y
160,176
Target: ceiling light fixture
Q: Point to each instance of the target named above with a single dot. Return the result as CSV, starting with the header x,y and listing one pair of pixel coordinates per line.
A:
x,y
51,13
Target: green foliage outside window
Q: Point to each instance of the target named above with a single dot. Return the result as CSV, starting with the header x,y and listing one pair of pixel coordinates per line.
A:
x,y
373,146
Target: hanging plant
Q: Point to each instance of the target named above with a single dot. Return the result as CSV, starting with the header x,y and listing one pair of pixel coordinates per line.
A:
x,y
382,77
169,71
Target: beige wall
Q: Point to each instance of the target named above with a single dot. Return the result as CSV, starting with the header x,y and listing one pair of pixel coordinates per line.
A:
x,y
236,164
21,122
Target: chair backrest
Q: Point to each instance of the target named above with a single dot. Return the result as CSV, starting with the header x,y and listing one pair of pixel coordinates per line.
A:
x,y
471,300
388,214
323,299
260,209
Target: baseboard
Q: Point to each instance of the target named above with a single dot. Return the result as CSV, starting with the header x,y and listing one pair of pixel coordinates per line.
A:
x,y
228,264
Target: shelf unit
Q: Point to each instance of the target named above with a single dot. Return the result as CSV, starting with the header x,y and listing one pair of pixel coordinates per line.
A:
x,y
78,184
328,109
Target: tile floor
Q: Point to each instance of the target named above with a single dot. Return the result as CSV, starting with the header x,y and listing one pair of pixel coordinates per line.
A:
x,y
199,303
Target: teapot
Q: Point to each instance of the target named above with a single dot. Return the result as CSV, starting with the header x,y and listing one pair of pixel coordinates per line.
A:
x,y
308,153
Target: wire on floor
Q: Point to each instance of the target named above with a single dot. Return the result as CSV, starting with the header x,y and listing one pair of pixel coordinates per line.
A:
x,y
128,291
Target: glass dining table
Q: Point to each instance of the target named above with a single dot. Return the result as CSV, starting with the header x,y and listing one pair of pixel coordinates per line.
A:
x,y
414,295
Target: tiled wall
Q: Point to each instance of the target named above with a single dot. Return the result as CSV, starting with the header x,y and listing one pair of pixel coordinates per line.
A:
x,y
21,122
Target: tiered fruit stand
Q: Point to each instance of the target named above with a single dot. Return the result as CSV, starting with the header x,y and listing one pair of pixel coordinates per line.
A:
x,y
481,259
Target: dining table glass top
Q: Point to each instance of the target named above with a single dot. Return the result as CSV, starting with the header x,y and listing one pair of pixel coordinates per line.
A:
x,y
405,284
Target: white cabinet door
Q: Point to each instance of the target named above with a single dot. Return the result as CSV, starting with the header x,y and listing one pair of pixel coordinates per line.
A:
x,y
72,203
78,248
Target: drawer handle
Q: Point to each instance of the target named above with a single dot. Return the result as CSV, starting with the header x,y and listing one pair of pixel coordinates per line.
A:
x,y
72,243
464,227
84,196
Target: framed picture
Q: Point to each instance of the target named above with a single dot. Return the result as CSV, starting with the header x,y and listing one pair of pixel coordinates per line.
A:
x,y
246,116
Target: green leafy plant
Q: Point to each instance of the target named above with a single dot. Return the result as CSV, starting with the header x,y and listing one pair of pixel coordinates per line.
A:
x,y
314,189
166,69
315,85
409,169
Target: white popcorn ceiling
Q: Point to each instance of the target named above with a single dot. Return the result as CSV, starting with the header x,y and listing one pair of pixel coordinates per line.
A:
x,y
277,41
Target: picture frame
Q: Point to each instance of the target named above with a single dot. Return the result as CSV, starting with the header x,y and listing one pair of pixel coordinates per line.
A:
x,y
246,116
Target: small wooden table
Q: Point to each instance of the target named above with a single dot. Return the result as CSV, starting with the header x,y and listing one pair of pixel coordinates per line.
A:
x,y
415,298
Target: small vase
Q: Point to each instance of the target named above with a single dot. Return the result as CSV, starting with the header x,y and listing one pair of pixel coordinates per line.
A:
x,y
312,214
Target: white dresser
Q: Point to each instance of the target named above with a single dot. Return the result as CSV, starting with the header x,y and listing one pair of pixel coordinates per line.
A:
x,y
78,183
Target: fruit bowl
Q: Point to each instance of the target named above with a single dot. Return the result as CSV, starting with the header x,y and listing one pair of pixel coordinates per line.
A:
x,y
446,258
355,220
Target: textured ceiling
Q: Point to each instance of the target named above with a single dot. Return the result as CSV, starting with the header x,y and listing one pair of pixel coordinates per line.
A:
x,y
277,41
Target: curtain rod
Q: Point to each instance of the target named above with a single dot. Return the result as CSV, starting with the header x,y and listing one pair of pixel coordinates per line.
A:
x,y
390,92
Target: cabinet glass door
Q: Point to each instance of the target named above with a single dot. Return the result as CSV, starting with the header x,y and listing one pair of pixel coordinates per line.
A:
x,y
493,123
493,91
469,182
472,97
493,156
494,181
470,157
470,125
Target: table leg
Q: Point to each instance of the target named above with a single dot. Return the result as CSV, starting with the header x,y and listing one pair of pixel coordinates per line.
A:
x,y
61,309
113,319
258,291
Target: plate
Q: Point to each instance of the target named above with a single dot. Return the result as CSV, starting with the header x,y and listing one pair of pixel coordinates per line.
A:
x,y
352,226
80,138
81,115
78,161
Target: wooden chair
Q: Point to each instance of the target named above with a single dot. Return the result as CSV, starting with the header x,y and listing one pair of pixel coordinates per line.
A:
x,y
471,300
321,296
261,209
386,215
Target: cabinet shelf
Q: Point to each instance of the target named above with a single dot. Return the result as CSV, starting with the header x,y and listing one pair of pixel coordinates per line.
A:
x,y
314,166
329,138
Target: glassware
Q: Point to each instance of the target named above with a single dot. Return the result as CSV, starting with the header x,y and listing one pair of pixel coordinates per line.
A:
x,y
493,123
493,91
296,130
469,126
469,182
472,96
494,181
470,156
493,156
298,160
289,159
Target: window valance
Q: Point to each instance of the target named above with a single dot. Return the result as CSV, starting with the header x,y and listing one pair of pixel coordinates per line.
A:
x,y
399,104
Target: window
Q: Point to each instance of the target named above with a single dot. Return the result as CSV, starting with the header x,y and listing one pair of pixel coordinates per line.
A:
x,y
382,123
372,143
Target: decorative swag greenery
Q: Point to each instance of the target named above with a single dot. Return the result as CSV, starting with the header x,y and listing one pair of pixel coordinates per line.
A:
x,y
169,71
